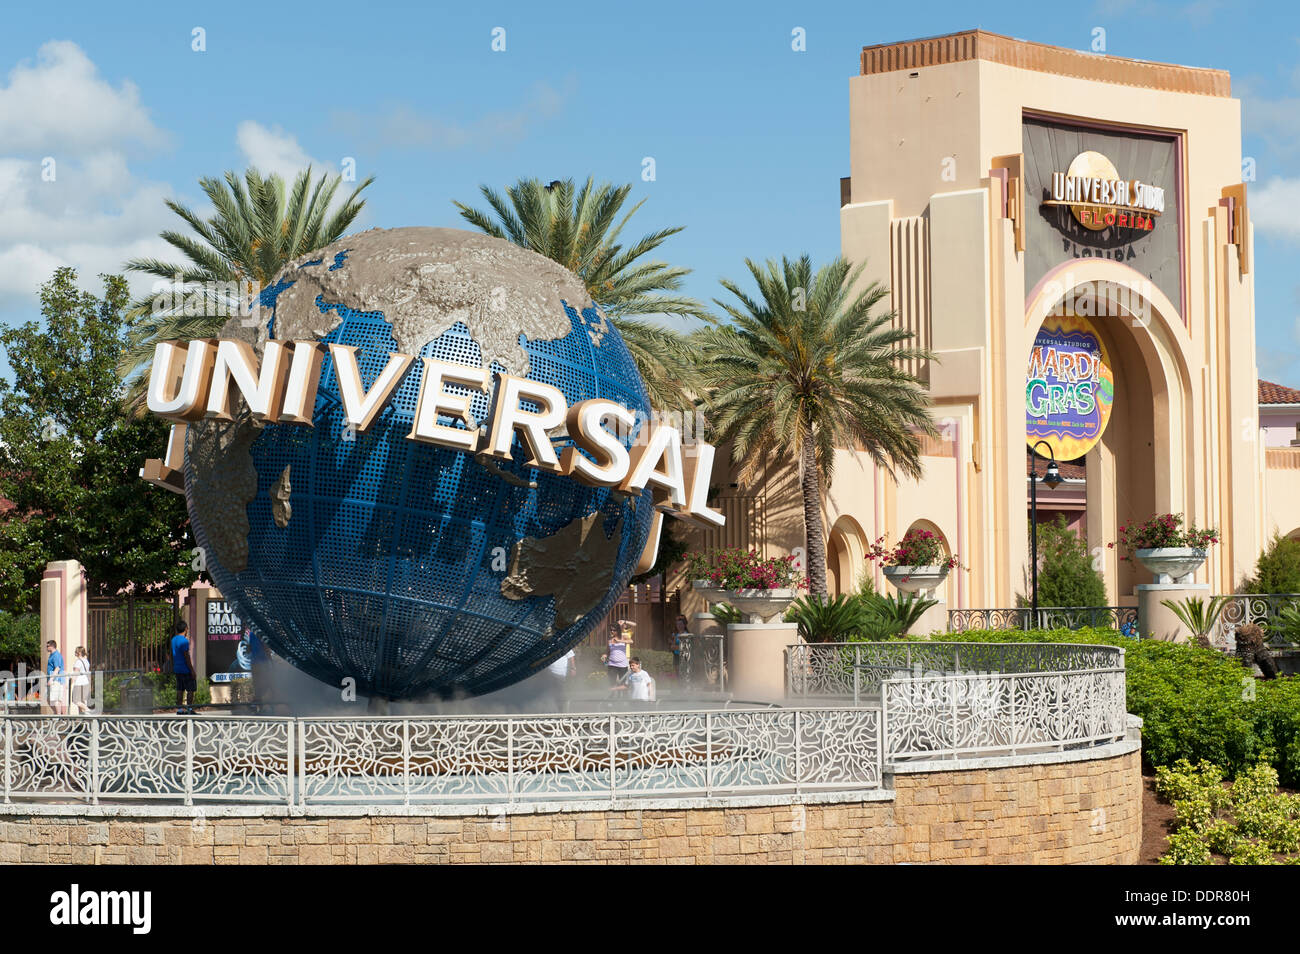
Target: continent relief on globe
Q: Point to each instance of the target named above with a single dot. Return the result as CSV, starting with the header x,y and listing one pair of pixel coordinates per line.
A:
x,y
423,281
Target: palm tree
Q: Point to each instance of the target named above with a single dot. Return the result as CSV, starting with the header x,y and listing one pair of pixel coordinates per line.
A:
x,y
580,230
256,229
806,368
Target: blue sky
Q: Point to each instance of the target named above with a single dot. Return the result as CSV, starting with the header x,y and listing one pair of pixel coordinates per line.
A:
x,y
749,138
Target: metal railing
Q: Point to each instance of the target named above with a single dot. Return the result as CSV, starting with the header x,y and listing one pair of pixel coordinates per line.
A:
x,y
840,669
704,662
1122,618
107,690
963,699
1261,608
314,763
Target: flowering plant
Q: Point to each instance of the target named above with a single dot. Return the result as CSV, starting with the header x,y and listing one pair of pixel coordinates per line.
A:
x,y
737,569
1163,530
917,548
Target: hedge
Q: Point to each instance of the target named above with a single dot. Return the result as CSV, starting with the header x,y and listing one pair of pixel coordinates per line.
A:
x,y
1196,704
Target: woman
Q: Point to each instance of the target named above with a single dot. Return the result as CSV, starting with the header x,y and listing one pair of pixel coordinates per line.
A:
x,y
675,639
615,658
81,683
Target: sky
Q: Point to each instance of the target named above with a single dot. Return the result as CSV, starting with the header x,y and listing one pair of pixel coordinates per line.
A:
x,y
748,136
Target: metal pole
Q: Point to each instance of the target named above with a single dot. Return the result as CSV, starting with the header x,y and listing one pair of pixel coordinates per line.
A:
x,y
1033,536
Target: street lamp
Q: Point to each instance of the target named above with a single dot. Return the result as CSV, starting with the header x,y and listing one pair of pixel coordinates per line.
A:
x,y
1053,480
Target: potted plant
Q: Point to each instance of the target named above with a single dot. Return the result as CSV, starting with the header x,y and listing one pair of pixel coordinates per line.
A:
x,y
760,588
917,564
1165,547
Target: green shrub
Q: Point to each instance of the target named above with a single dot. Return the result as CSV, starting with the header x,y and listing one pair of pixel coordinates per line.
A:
x,y
829,619
1278,568
1066,576
1249,823
1195,703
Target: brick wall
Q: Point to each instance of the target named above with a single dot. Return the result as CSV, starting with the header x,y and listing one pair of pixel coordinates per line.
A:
x,y
1077,812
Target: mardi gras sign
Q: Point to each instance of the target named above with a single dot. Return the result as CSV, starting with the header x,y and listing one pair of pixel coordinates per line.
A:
x,y
1070,389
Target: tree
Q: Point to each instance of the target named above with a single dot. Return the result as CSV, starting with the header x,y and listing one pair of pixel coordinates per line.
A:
x,y
257,228
1066,576
1278,568
579,231
806,368
71,455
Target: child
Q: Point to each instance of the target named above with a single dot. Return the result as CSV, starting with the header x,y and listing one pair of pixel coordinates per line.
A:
x,y
639,684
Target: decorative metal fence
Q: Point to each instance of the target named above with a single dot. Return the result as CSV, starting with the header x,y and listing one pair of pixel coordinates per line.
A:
x,y
129,632
995,713
314,763
858,669
1262,608
963,699
704,662
1122,618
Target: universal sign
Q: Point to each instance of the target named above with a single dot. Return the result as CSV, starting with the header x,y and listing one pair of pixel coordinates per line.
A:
x,y
197,380
1099,199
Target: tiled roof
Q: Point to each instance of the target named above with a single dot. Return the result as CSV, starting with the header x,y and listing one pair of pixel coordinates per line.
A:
x,y
1270,393
1068,471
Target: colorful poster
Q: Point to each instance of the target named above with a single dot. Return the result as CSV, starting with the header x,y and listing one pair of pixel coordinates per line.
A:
x,y
228,643
1070,388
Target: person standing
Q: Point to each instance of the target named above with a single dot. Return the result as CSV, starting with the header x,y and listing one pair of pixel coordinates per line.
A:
x,y
558,673
675,639
640,685
615,658
81,680
54,680
184,668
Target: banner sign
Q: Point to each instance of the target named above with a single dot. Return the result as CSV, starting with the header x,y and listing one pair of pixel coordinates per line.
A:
x,y
229,643
1070,388
1113,194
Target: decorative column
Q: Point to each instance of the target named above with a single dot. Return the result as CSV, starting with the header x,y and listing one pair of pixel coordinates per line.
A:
x,y
63,616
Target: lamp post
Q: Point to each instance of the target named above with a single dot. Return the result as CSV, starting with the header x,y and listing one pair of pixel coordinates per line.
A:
x,y
1053,480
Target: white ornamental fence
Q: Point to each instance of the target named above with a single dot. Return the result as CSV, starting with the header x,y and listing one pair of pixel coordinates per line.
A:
x,y
308,764
954,700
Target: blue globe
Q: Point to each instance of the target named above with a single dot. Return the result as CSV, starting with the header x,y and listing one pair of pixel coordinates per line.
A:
x,y
413,569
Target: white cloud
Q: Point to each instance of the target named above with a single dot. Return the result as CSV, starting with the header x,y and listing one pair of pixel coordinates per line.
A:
x,y
274,151
61,104
1275,207
402,127
67,195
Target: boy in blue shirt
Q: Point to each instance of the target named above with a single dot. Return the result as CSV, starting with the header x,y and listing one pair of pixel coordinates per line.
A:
x,y
184,668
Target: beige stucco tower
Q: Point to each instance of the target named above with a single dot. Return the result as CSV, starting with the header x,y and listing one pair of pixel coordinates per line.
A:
x,y
956,145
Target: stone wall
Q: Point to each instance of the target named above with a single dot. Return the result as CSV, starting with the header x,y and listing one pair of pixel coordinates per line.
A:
x,y
1064,813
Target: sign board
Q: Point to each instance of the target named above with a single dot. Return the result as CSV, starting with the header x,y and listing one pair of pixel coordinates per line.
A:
x,y
1070,387
229,649
1109,193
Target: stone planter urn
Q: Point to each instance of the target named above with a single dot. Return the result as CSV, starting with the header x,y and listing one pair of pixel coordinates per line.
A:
x,y
757,606
1171,564
916,579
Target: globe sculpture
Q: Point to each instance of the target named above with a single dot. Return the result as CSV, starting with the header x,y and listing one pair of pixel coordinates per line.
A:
x,y
413,569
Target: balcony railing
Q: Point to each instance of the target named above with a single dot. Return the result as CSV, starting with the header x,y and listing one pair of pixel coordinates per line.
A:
x,y
1122,618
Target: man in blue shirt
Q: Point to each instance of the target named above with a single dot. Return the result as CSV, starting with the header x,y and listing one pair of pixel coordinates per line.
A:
x,y
54,679
184,668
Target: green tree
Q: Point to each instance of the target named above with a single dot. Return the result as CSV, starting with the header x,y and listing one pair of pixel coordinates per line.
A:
x,y
20,639
807,367
71,454
579,228
1278,568
1065,573
257,227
